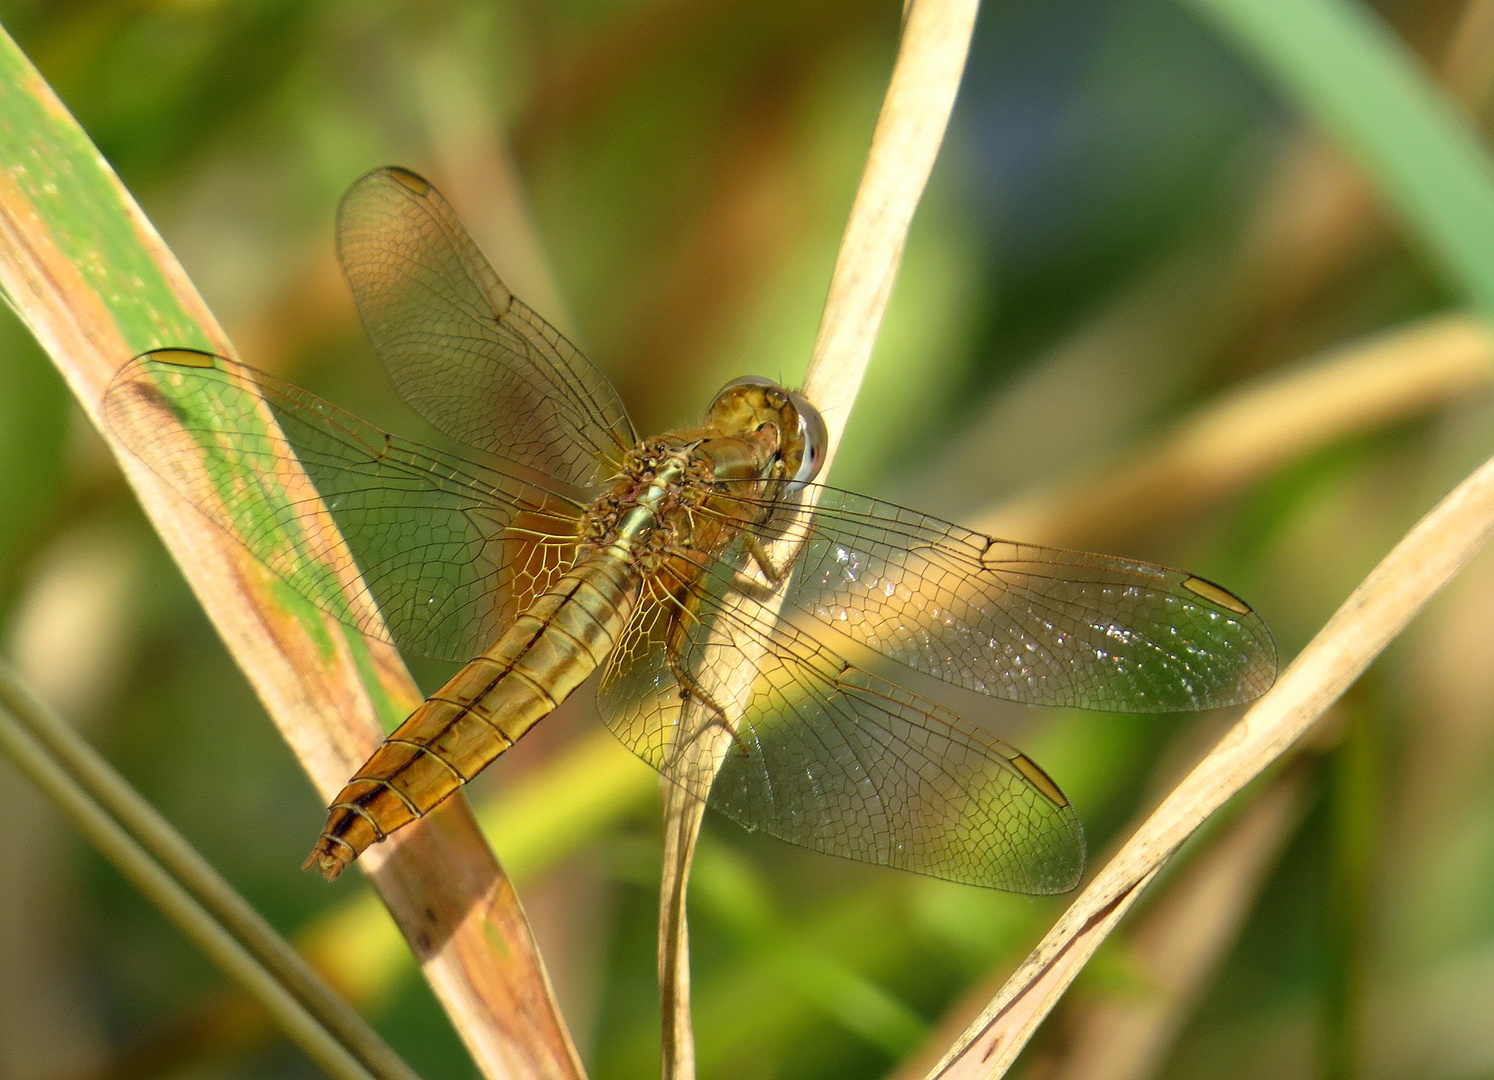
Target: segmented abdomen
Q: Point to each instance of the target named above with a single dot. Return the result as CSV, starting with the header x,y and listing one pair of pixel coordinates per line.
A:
x,y
484,709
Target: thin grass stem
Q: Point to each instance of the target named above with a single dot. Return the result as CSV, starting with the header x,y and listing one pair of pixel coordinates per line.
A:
x,y
1255,428
909,130
1184,935
209,936
114,795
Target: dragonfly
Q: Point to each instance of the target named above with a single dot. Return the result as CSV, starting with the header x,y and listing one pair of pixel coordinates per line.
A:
x,y
559,543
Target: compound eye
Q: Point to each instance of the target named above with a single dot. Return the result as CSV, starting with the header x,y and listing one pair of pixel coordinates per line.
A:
x,y
745,380
748,380
816,441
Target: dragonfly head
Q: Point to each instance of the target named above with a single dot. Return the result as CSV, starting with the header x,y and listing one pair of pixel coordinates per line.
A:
x,y
745,404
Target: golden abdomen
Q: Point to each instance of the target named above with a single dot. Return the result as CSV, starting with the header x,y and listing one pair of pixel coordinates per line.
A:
x,y
484,709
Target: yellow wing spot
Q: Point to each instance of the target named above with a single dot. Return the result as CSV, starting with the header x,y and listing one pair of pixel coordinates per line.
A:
x,y
1040,780
185,358
1215,595
418,184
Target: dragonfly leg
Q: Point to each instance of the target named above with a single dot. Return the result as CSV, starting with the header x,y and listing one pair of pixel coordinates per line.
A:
x,y
745,583
690,687
774,573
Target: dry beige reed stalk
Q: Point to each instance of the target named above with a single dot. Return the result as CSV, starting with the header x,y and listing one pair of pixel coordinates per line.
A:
x,y
1188,927
909,131
1377,611
1180,941
910,128
1255,428
442,884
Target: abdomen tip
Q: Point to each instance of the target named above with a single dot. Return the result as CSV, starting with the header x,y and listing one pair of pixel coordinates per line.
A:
x,y
328,857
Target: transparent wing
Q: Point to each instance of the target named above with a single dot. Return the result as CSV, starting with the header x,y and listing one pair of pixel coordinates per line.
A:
x,y
462,350
830,757
1023,622
447,550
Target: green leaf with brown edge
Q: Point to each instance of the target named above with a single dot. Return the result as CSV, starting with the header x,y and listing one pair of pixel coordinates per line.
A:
x,y
95,285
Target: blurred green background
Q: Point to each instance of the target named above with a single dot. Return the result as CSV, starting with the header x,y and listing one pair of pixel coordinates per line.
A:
x,y
1126,221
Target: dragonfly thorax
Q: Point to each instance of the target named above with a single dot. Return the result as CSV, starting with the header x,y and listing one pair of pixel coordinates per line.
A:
x,y
651,504
684,494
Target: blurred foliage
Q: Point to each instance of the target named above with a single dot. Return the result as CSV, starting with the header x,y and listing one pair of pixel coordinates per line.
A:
x,y
1099,227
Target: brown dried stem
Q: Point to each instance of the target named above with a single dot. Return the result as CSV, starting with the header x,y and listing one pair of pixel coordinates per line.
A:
x,y
1186,931
905,142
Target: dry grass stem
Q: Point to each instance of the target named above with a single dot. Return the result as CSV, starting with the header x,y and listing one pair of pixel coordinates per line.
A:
x,y
910,128
1258,427
930,61
1191,920
442,884
1179,942
1378,610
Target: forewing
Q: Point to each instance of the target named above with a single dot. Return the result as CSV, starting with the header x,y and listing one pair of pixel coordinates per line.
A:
x,y
1023,622
462,350
830,757
443,551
